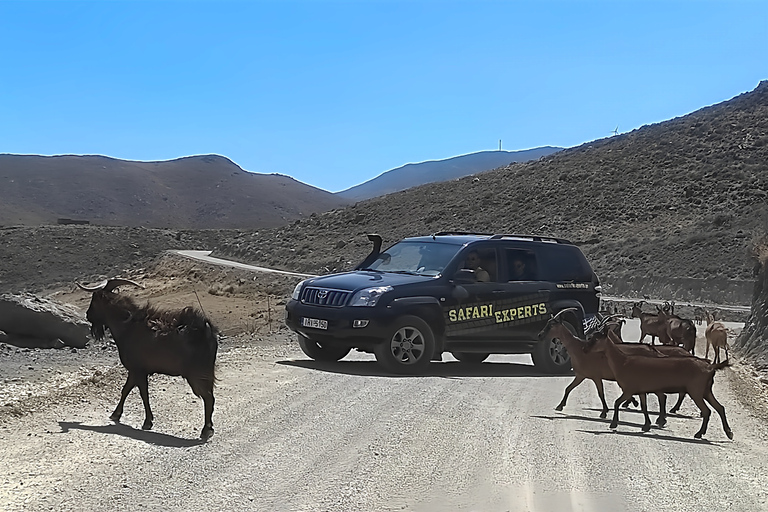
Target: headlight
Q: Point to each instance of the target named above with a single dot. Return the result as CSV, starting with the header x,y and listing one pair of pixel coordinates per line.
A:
x,y
297,291
369,296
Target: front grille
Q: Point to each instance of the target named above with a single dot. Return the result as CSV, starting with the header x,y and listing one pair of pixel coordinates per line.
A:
x,y
324,297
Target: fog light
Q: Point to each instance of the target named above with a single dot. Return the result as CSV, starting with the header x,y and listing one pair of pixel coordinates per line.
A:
x,y
357,324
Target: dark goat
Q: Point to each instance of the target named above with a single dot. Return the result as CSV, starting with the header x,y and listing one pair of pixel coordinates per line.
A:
x,y
150,340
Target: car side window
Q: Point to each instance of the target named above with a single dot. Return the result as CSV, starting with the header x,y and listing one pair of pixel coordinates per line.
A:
x,y
522,265
483,263
564,263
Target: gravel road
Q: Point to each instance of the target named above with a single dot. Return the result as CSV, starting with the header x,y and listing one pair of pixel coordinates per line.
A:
x,y
297,435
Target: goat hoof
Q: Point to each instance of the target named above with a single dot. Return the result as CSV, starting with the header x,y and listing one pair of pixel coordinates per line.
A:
x,y
559,408
115,417
147,425
729,434
697,435
604,414
660,422
206,433
613,425
646,428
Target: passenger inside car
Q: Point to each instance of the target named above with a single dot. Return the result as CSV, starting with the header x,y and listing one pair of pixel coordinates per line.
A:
x,y
521,268
473,262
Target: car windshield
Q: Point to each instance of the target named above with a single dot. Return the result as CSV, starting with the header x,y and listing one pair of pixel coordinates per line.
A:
x,y
422,258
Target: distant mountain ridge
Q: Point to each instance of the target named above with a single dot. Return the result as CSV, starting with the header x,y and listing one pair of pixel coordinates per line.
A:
x,y
196,192
432,171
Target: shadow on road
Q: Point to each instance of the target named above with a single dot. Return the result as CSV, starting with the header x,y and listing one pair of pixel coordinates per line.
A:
x,y
655,432
447,369
120,429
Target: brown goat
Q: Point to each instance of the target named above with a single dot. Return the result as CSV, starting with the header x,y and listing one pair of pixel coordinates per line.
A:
x,y
717,336
151,341
638,375
650,325
680,331
594,366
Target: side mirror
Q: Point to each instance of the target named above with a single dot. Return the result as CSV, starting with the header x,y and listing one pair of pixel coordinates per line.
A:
x,y
464,276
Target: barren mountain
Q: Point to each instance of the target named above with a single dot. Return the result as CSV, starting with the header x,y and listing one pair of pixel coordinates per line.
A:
x,y
412,175
200,192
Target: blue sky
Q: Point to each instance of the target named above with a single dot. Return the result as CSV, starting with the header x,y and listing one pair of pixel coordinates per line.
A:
x,y
333,93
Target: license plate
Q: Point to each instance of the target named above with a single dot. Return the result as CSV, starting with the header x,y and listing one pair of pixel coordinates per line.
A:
x,y
314,323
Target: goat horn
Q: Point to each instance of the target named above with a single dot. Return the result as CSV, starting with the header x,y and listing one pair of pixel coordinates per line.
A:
x,y
566,310
99,286
114,283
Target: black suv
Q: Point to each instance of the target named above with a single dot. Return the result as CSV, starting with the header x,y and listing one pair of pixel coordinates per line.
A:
x,y
466,293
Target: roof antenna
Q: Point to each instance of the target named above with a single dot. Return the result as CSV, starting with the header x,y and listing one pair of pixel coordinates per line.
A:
x,y
499,144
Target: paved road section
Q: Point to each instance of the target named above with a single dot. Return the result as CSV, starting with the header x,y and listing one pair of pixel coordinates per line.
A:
x,y
206,256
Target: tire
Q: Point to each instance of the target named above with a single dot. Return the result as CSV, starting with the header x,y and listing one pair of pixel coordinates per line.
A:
x,y
470,357
408,348
320,352
550,355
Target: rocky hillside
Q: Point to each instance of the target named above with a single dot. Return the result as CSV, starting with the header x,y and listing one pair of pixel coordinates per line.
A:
x,y
199,192
752,341
670,210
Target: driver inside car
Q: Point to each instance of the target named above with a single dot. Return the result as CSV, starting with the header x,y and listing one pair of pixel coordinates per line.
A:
x,y
473,262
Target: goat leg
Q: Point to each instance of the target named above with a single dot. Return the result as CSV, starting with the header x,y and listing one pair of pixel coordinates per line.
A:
x,y
130,383
208,400
676,407
644,407
204,389
662,419
578,379
143,385
601,394
616,404
709,397
705,413
629,402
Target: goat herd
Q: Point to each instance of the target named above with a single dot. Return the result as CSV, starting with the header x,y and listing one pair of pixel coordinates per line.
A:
x,y
640,368
184,343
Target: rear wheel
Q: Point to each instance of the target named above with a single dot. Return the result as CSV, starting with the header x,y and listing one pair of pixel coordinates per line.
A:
x,y
408,348
550,356
470,357
322,352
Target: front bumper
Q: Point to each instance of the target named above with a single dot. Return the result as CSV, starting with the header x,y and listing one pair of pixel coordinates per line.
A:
x,y
340,323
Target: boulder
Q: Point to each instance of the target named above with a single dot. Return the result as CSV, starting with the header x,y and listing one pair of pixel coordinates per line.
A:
x,y
30,321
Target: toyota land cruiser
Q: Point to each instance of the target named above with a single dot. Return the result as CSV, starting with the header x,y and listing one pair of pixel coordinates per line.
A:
x,y
421,297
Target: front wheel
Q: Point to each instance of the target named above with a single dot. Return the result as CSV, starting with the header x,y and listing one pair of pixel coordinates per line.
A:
x,y
408,348
550,355
322,352
470,357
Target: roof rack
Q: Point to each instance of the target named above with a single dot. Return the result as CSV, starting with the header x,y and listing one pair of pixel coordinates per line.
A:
x,y
451,233
534,238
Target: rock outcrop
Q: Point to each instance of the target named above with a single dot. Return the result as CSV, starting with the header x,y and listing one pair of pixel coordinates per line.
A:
x,y
30,321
